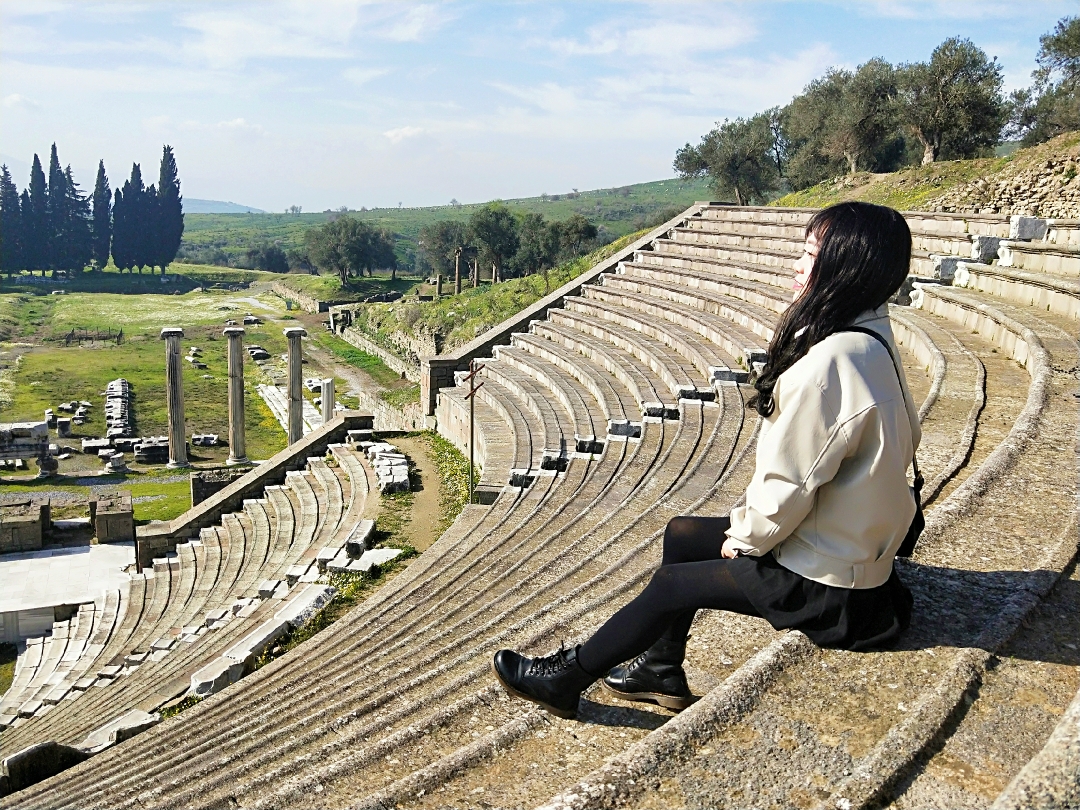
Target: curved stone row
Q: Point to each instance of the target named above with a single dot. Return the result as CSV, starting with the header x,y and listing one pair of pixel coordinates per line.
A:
x,y
393,704
207,599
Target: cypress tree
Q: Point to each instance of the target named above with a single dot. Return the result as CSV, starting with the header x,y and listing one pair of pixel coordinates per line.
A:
x,y
130,222
10,224
101,228
150,241
170,210
58,214
77,245
36,220
121,252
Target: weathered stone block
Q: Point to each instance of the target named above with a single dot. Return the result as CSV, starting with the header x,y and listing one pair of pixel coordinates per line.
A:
x,y
984,248
121,728
255,642
37,763
299,610
945,266
1026,229
216,675
359,539
267,588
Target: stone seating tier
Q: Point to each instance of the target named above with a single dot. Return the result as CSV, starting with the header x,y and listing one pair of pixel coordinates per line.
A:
x,y
321,726
205,587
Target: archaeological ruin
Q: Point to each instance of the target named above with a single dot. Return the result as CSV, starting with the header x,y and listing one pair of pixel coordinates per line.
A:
x,y
607,407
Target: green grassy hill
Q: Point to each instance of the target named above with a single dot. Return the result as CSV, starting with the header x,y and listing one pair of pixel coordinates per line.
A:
x,y
618,211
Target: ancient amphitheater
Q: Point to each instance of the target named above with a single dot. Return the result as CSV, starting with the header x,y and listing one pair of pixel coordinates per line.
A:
x,y
606,409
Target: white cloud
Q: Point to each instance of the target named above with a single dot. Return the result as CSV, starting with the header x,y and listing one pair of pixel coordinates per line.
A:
x,y
940,9
17,101
417,24
360,76
401,133
712,31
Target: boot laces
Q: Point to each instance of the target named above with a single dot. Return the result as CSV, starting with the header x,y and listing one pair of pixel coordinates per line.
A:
x,y
549,665
637,662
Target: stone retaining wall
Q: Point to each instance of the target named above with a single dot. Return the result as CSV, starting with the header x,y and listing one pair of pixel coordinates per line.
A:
x,y
388,417
352,335
305,301
158,539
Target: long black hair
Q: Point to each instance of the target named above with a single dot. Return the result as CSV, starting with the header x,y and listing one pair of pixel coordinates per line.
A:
x,y
863,258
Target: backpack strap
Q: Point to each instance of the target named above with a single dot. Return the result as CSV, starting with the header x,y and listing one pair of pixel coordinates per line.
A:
x,y
896,368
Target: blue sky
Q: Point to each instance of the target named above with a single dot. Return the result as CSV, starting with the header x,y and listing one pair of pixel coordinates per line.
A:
x,y
322,104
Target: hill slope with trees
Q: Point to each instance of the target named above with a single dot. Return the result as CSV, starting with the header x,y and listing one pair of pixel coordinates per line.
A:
x,y
882,118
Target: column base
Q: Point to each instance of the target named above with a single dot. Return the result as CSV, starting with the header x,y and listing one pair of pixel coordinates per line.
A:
x,y
178,465
233,462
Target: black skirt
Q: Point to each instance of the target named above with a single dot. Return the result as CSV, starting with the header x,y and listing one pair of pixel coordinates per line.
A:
x,y
848,618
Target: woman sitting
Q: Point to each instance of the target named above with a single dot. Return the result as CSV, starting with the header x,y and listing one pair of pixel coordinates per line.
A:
x,y
812,545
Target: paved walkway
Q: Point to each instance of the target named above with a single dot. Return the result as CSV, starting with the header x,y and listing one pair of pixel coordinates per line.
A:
x,y
61,576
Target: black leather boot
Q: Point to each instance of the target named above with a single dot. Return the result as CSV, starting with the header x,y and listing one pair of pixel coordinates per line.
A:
x,y
554,682
655,676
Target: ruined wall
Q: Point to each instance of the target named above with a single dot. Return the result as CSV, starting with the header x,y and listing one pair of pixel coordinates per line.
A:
x,y
354,336
1049,188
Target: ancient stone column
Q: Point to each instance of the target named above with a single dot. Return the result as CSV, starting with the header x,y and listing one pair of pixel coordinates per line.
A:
x,y
438,285
457,272
174,392
327,395
476,272
296,383
237,442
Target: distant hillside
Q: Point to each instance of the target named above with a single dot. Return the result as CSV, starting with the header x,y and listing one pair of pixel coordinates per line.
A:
x,y
618,211
194,206
1042,181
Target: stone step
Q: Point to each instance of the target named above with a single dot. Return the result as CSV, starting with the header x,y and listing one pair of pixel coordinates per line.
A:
x,y
708,357
709,277
1040,290
588,415
670,374
615,400
741,346
1040,257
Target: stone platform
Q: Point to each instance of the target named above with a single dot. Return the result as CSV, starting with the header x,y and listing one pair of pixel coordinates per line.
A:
x,y
33,583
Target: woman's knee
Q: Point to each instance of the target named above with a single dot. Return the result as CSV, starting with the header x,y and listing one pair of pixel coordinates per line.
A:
x,y
689,538
678,536
663,585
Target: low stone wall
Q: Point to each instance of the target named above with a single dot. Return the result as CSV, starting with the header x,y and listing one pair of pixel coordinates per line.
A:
x,y
438,371
158,539
388,417
205,483
23,525
354,336
305,301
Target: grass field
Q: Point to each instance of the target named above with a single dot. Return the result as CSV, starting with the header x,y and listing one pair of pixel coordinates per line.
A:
x,y
8,654
618,211
155,495
47,372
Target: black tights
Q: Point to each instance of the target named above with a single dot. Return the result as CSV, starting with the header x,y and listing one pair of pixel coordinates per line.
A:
x,y
692,575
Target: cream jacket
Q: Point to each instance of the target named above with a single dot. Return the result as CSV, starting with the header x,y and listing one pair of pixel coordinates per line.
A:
x,y
830,495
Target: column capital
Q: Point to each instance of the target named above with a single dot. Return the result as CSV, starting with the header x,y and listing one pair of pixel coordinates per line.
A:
x,y
233,331
172,331
295,331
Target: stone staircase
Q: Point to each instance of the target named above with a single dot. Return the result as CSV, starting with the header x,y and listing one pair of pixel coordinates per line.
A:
x,y
619,410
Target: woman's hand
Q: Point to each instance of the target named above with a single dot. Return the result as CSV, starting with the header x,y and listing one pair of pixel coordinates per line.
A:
x,y
729,551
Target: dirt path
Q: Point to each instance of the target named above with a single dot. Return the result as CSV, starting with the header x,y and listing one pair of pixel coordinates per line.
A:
x,y
423,526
